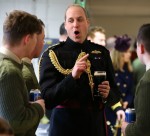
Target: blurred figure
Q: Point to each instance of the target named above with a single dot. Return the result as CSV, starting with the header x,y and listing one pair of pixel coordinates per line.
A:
x,y
20,30
5,128
96,34
123,77
123,69
110,44
142,96
62,33
28,70
66,79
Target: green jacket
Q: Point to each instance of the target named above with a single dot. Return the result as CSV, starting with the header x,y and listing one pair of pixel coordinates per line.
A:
x,y
142,107
14,100
29,76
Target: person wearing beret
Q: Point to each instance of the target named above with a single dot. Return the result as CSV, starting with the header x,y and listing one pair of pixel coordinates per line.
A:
x,y
123,78
67,81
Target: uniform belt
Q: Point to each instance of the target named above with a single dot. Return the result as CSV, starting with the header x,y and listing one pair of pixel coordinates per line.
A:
x,y
76,105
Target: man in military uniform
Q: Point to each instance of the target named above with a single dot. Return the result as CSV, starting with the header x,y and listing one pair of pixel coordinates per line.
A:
x,y
67,83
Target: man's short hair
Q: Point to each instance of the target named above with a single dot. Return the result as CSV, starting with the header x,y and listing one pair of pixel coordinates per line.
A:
x,y
18,24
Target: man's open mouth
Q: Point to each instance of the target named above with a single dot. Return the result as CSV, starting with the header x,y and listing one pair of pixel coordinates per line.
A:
x,y
76,32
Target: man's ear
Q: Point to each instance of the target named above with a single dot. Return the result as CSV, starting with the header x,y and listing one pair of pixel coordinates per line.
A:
x,y
26,38
88,22
142,49
65,25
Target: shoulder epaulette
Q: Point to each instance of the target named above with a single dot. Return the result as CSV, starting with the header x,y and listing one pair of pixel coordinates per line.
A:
x,y
49,48
53,46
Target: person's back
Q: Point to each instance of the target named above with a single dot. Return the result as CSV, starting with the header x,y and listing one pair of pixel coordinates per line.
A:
x,y
14,99
140,127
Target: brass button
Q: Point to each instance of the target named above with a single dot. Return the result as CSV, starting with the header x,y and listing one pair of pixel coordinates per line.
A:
x,y
118,84
124,85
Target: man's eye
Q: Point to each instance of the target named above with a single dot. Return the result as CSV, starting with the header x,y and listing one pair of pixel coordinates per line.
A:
x,y
71,21
80,19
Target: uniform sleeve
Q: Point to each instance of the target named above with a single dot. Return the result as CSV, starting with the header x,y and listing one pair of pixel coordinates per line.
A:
x,y
15,107
142,100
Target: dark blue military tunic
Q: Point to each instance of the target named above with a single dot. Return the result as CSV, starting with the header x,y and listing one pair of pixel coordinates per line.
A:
x,y
75,113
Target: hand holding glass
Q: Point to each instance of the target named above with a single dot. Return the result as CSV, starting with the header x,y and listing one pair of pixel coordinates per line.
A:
x,y
99,77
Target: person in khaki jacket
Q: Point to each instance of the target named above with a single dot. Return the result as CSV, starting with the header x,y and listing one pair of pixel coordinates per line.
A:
x,y
20,30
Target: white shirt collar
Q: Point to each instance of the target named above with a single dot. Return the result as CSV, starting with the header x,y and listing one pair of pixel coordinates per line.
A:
x,y
10,54
148,66
27,60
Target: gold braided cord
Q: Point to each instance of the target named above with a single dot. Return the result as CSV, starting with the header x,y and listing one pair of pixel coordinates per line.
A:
x,y
57,65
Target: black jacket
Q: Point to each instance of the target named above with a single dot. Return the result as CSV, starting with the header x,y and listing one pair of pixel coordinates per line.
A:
x,y
60,89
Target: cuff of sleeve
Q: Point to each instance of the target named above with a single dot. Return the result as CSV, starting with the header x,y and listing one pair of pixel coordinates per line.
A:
x,y
116,106
40,109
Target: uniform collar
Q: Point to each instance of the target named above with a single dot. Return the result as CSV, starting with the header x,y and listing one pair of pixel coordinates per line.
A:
x,y
10,54
27,60
75,44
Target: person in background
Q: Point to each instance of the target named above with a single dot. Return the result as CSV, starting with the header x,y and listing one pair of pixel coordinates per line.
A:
x,y
123,78
141,101
138,70
28,70
66,79
20,30
110,44
62,33
97,35
5,128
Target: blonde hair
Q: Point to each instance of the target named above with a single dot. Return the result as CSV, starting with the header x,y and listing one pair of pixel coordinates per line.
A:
x,y
94,29
117,61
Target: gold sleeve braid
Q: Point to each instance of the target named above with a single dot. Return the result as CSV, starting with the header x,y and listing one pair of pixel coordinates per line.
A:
x,y
118,104
57,65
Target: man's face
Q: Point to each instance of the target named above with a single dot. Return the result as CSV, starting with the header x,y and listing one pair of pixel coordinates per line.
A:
x,y
139,52
99,38
31,45
39,45
76,24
